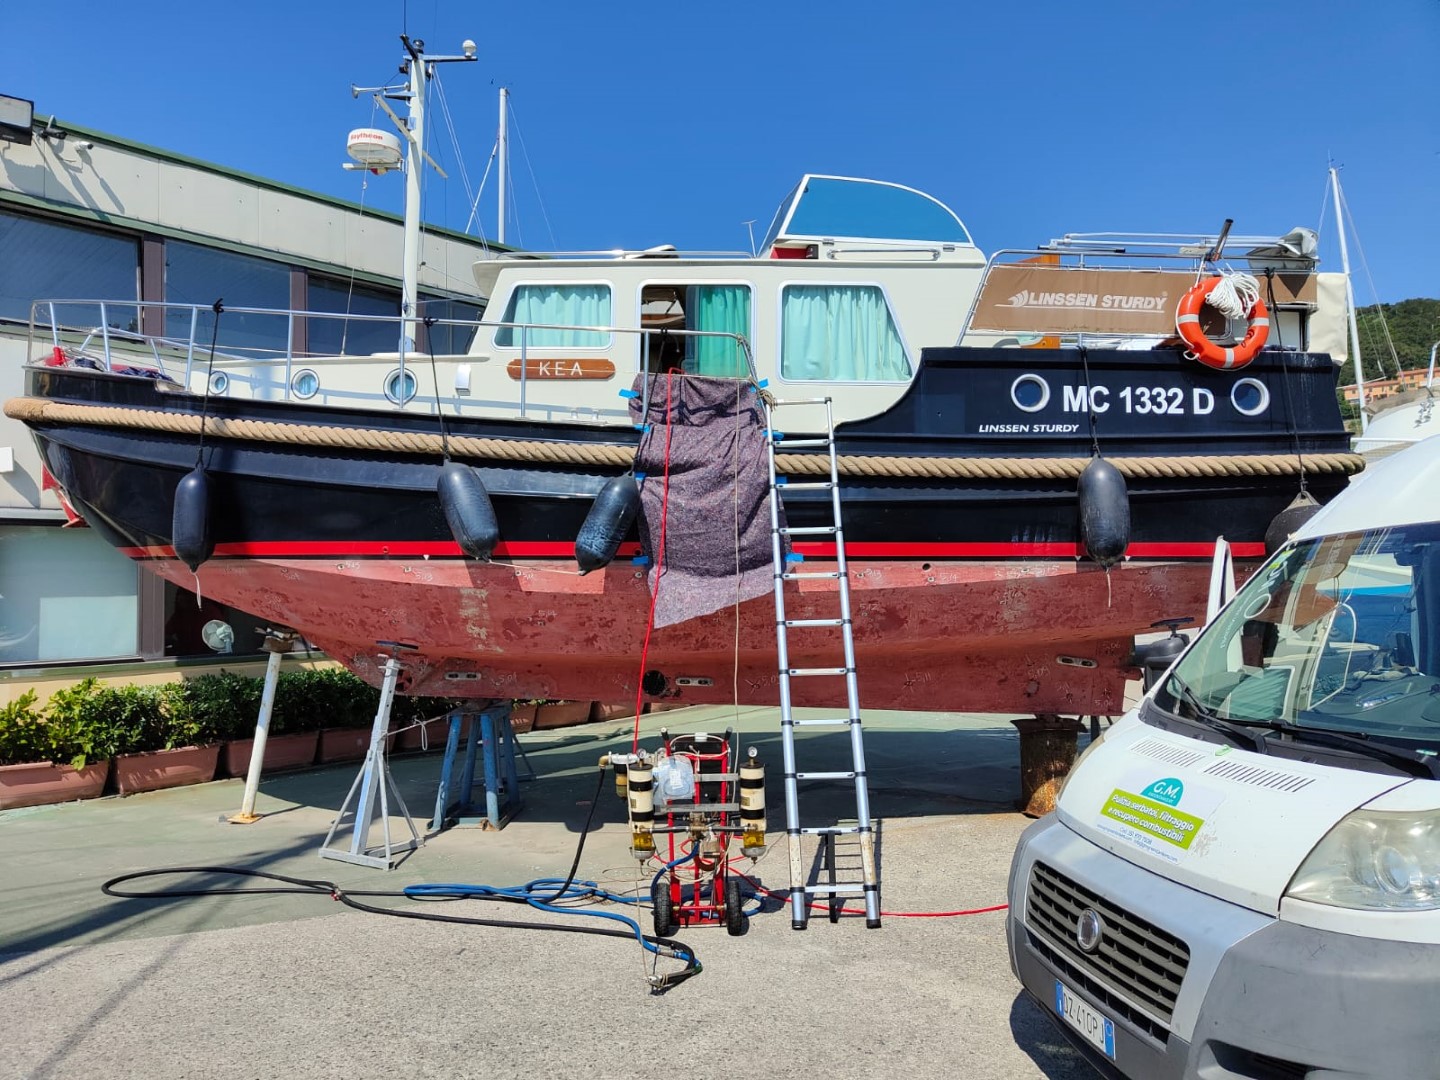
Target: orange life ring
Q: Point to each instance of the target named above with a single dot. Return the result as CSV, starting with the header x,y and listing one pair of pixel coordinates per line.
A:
x,y
1187,323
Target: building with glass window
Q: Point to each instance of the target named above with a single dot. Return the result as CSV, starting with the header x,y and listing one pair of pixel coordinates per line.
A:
x,y
85,214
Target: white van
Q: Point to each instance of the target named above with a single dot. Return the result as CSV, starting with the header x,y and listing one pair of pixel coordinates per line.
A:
x,y
1242,876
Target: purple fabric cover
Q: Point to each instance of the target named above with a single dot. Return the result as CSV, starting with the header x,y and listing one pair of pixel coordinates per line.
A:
x,y
717,466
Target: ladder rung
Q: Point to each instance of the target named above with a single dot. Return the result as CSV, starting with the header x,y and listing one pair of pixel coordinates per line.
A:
x,y
805,485
811,530
793,623
831,830
828,721
801,401
801,672
839,887
810,574
802,444
825,776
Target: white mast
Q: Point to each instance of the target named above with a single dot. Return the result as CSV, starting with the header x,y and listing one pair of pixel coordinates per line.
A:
x,y
418,71
504,145
1349,300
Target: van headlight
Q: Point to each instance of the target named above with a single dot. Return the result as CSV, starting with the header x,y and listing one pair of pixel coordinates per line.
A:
x,y
1375,860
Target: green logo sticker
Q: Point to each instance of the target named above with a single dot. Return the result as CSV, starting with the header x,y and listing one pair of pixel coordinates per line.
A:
x,y
1152,817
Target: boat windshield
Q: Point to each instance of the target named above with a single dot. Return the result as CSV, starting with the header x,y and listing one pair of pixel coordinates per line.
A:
x,y
1340,633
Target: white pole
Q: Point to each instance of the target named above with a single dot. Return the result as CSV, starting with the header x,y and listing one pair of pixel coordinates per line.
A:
x,y
504,144
274,644
410,285
1350,301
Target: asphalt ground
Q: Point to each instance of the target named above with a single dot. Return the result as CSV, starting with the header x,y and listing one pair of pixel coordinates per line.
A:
x,y
265,986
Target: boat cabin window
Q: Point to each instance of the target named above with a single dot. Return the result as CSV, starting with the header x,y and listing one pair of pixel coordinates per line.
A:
x,y
840,333
343,336
711,310
198,275
62,260
539,308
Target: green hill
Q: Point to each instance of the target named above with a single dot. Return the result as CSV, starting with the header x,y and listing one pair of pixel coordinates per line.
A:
x,y
1414,327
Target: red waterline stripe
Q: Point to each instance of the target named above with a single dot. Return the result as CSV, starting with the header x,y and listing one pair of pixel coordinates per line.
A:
x,y
542,549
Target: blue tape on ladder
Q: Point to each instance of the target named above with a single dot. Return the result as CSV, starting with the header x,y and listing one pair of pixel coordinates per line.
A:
x,y
775,435
762,384
781,481
645,428
641,475
640,560
794,556
629,393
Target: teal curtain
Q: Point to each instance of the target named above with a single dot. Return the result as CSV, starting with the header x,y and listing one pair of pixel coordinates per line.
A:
x,y
556,305
840,333
719,309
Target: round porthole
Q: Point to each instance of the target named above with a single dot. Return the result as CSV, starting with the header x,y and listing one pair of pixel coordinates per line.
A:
x,y
219,382
1250,397
304,384
400,386
1030,393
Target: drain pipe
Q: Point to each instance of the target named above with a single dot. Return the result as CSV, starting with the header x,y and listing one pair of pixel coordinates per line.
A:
x,y
276,643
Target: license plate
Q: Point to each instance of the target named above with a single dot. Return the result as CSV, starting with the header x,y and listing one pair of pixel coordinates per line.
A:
x,y
1097,1029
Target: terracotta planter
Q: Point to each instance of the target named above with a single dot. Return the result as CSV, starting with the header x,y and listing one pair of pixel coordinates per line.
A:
x,y
623,710
435,732
281,752
41,783
343,744
522,717
559,714
165,768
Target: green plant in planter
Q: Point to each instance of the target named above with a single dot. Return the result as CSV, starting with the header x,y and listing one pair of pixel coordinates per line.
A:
x,y
323,698
82,728
223,704
25,737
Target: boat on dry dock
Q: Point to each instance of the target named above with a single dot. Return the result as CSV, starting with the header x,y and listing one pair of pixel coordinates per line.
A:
x,y
316,497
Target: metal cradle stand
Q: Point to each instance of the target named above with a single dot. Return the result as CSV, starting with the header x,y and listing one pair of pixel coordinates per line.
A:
x,y
375,785
802,889
492,742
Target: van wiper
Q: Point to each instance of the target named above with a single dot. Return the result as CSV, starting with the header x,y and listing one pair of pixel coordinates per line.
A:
x,y
1241,735
1415,762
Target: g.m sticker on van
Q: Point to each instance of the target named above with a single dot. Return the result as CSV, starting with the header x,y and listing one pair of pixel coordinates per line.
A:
x,y
1152,817
1167,791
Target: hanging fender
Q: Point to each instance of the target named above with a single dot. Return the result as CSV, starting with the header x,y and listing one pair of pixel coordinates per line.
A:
x,y
1187,324
468,510
190,522
1284,525
1104,512
607,523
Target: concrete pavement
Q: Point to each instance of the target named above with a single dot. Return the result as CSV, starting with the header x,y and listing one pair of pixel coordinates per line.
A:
x,y
279,986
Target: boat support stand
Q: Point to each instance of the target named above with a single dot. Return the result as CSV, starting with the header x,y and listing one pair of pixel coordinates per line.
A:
x,y
374,780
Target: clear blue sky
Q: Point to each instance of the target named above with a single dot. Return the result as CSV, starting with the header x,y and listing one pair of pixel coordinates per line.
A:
x,y
640,123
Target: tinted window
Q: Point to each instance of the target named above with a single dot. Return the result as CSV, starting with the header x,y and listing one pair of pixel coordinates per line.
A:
x,y
45,260
200,275
65,594
352,336
451,340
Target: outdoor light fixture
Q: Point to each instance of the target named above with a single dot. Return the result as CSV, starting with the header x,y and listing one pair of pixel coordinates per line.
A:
x,y
16,118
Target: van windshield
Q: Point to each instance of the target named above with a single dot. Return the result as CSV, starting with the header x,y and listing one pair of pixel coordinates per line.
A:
x,y
1339,633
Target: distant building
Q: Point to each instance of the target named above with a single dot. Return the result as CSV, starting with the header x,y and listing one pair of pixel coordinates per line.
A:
x,y
1376,389
88,215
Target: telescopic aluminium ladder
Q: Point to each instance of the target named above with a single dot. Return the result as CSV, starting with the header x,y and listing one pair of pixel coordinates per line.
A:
x,y
802,889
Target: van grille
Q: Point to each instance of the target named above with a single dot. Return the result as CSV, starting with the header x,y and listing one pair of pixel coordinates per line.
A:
x,y
1136,970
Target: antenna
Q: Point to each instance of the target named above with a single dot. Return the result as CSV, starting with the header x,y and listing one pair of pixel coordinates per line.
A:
x,y
750,228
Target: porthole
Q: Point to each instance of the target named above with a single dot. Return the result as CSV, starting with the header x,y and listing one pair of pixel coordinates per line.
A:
x,y
1030,393
1250,397
400,386
305,384
219,382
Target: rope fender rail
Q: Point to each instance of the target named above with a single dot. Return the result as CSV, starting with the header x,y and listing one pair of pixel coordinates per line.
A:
x,y
43,411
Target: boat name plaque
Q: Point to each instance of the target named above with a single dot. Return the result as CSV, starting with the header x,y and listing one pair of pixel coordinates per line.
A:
x,y
589,367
